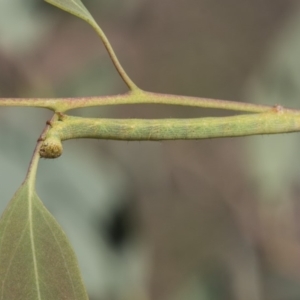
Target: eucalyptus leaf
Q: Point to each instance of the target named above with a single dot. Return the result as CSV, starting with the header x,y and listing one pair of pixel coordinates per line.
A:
x,y
74,7
36,259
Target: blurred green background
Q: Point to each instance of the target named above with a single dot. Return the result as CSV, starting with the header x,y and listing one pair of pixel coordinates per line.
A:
x,y
180,220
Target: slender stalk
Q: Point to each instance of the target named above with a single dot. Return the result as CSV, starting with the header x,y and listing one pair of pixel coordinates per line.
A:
x,y
131,85
136,97
173,129
31,173
49,103
143,97
32,169
78,9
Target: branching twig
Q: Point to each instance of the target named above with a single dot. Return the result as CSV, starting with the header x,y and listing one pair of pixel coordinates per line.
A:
x,y
136,97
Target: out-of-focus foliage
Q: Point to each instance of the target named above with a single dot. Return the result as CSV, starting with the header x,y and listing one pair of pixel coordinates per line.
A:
x,y
21,25
277,81
274,170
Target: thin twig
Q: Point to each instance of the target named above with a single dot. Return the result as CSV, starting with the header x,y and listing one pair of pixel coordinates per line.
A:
x,y
136,97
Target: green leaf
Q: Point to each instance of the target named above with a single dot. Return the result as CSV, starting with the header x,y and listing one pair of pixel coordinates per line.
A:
x,y
36,259
74,7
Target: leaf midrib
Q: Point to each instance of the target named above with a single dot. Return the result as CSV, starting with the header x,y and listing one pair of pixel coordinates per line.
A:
x,y
36,274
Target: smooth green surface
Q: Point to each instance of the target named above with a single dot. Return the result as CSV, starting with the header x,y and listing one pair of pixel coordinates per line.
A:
x,y
36,259
74,7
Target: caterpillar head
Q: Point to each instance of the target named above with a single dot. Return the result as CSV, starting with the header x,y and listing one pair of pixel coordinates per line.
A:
x,y
51,148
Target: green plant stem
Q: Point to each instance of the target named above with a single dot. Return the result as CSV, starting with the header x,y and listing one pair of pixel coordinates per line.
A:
x,y
31,173
174,129
136,97
79,10
131,85
33,165
143,97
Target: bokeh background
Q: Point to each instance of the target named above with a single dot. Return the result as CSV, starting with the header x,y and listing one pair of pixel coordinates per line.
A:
x,y
176,220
